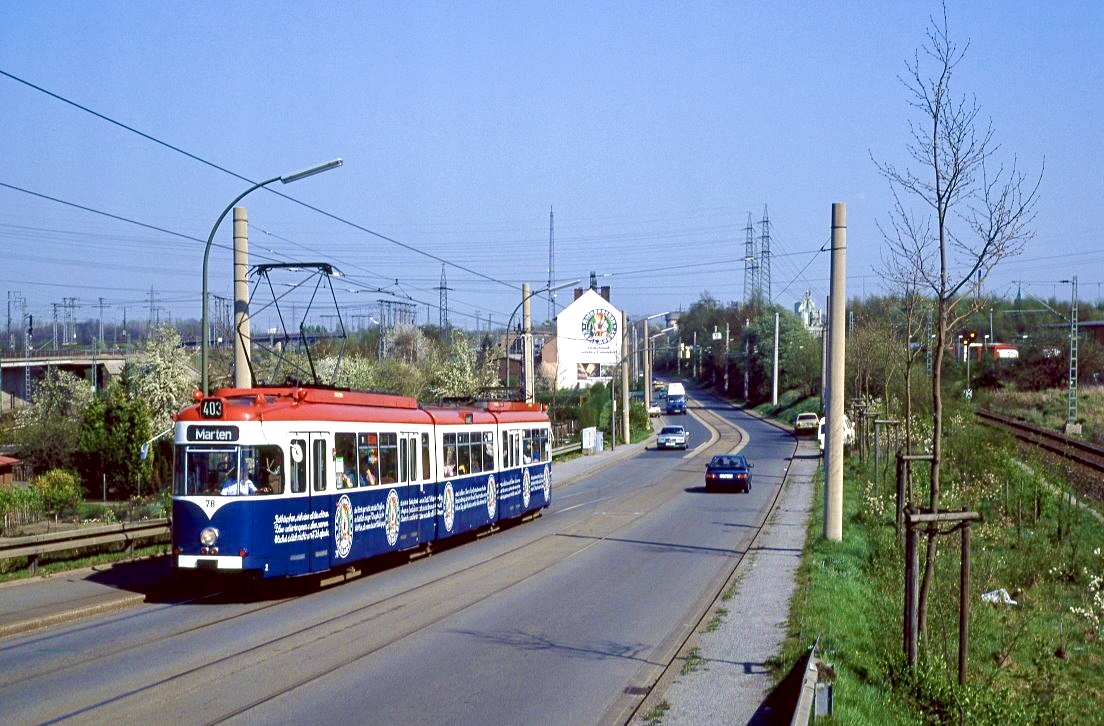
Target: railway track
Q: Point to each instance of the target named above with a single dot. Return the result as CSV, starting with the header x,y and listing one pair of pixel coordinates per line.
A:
x,y
1089,456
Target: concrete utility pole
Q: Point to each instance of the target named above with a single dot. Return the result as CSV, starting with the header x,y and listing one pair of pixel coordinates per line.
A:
x,y
243,339
695,364
774,386
726,359
625,353
833,438
527,345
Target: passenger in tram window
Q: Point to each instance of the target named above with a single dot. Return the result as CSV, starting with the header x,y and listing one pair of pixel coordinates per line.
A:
x,y
235,487
368,466
463,455
488,451
475,451
345,481
272,480
449,468
345,475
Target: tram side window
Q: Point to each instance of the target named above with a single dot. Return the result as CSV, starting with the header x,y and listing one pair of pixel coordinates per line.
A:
x,y
389,458
368,454
264,465
298,466
527,447
475,452
345,460
542,445
463,453
488,451
318,464
425,455
449,455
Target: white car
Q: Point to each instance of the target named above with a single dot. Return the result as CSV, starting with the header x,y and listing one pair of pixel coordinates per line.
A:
x,y
654,410
673,437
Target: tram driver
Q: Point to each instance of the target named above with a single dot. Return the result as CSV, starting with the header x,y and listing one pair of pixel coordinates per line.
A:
x,y
235,486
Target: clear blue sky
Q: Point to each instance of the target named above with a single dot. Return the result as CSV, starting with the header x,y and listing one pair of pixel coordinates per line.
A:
x,y
653,130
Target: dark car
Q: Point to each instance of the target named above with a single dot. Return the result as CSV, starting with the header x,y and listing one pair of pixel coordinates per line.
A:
x,y
728,471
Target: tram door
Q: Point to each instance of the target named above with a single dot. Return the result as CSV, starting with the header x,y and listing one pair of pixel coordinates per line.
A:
x,y
309,482
513,452
413,480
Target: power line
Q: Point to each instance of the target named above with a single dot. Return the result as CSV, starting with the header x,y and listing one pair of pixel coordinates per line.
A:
x,y
241,177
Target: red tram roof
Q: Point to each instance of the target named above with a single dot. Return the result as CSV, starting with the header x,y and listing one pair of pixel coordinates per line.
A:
x,y
292,403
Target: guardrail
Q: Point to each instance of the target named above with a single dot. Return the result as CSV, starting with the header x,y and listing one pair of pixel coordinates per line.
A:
x,y
815,697
126,533
567,449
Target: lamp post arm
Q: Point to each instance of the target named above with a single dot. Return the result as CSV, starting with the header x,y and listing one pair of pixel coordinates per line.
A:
x,y
204,344
284,178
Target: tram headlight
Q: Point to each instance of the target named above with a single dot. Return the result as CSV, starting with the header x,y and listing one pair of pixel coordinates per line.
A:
x,y
208,537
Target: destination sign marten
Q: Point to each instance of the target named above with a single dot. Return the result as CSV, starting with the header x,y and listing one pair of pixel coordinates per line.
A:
x,y
213,434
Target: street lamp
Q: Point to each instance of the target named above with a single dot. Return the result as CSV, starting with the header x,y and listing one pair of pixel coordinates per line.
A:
x,y
285,179
525,299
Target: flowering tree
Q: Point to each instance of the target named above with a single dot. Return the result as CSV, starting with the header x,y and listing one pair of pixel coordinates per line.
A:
x,y
162,377
460,375
49,429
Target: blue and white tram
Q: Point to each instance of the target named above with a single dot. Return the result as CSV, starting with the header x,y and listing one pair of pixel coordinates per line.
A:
x,y
288,481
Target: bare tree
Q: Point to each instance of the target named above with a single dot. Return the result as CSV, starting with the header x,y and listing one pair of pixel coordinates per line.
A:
x,y
975,217
905,279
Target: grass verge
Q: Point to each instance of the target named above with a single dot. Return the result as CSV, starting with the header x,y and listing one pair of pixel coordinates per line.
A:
x,y
1035,662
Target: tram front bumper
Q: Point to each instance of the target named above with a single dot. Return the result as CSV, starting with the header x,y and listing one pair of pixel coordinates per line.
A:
x,y
208,562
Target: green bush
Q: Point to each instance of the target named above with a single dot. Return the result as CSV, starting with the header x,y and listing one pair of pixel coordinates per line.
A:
x,y
59,490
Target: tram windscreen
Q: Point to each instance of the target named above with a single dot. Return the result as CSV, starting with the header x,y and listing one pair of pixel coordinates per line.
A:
x,y
209,470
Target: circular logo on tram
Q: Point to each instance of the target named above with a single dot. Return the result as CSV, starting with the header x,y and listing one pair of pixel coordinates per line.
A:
x,y
448,507
547,483
526,488
492,497
343,527
599,326
391,518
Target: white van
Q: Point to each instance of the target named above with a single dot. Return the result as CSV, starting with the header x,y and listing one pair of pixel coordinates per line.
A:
x,y
848,432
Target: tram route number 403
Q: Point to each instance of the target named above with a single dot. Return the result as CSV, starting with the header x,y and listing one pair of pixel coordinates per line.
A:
x,y
212,408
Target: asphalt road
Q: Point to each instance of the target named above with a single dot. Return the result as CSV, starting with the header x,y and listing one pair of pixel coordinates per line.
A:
x,y
570,618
